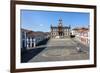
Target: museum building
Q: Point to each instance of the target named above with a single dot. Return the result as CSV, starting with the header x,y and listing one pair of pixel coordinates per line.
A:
x,y
60,31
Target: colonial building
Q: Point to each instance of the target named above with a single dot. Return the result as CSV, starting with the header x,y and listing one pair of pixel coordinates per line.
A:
x,y
31,38
82,34
60,31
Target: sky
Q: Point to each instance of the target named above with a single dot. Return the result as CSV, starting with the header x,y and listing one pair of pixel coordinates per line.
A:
x,y
42,20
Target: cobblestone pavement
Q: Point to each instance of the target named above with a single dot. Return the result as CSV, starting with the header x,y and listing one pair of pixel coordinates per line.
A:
x,y
62,50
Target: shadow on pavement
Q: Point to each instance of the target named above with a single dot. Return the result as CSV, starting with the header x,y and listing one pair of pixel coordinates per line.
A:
x,y
29,54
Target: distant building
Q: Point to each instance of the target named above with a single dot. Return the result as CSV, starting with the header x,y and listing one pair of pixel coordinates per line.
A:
x,y
60,31
82,34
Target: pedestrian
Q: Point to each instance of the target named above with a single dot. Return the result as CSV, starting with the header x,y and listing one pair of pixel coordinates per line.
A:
x,y
79,49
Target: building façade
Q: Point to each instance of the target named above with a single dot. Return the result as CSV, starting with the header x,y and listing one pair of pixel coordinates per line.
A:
x,y
60,31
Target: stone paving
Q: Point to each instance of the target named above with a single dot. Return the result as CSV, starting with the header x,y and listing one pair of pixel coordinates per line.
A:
x,y
62,50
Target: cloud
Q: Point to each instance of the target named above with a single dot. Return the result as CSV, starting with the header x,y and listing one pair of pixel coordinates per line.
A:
x,y
41,25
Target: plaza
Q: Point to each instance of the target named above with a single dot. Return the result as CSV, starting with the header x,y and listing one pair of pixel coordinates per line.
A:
x,y
61,50
61,43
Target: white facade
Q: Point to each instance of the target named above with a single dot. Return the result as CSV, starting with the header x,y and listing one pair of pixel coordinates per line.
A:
x,y
82,35
30,41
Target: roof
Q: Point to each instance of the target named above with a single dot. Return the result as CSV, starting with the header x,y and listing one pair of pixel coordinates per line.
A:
x,y
82,29
24,30
33,34
65,27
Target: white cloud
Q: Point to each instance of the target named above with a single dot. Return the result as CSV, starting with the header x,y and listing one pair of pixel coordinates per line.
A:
x,y
41,25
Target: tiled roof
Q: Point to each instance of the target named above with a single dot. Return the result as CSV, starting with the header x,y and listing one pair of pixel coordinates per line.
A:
x,y
33,34
82,29
24,30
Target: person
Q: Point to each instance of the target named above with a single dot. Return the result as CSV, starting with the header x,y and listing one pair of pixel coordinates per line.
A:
x,y
79,49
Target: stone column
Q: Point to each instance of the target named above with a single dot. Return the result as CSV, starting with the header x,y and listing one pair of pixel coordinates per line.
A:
x,y
25,40
27,43
34,42
30,42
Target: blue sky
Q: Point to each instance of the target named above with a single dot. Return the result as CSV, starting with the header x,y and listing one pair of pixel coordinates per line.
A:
x,y
41,20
